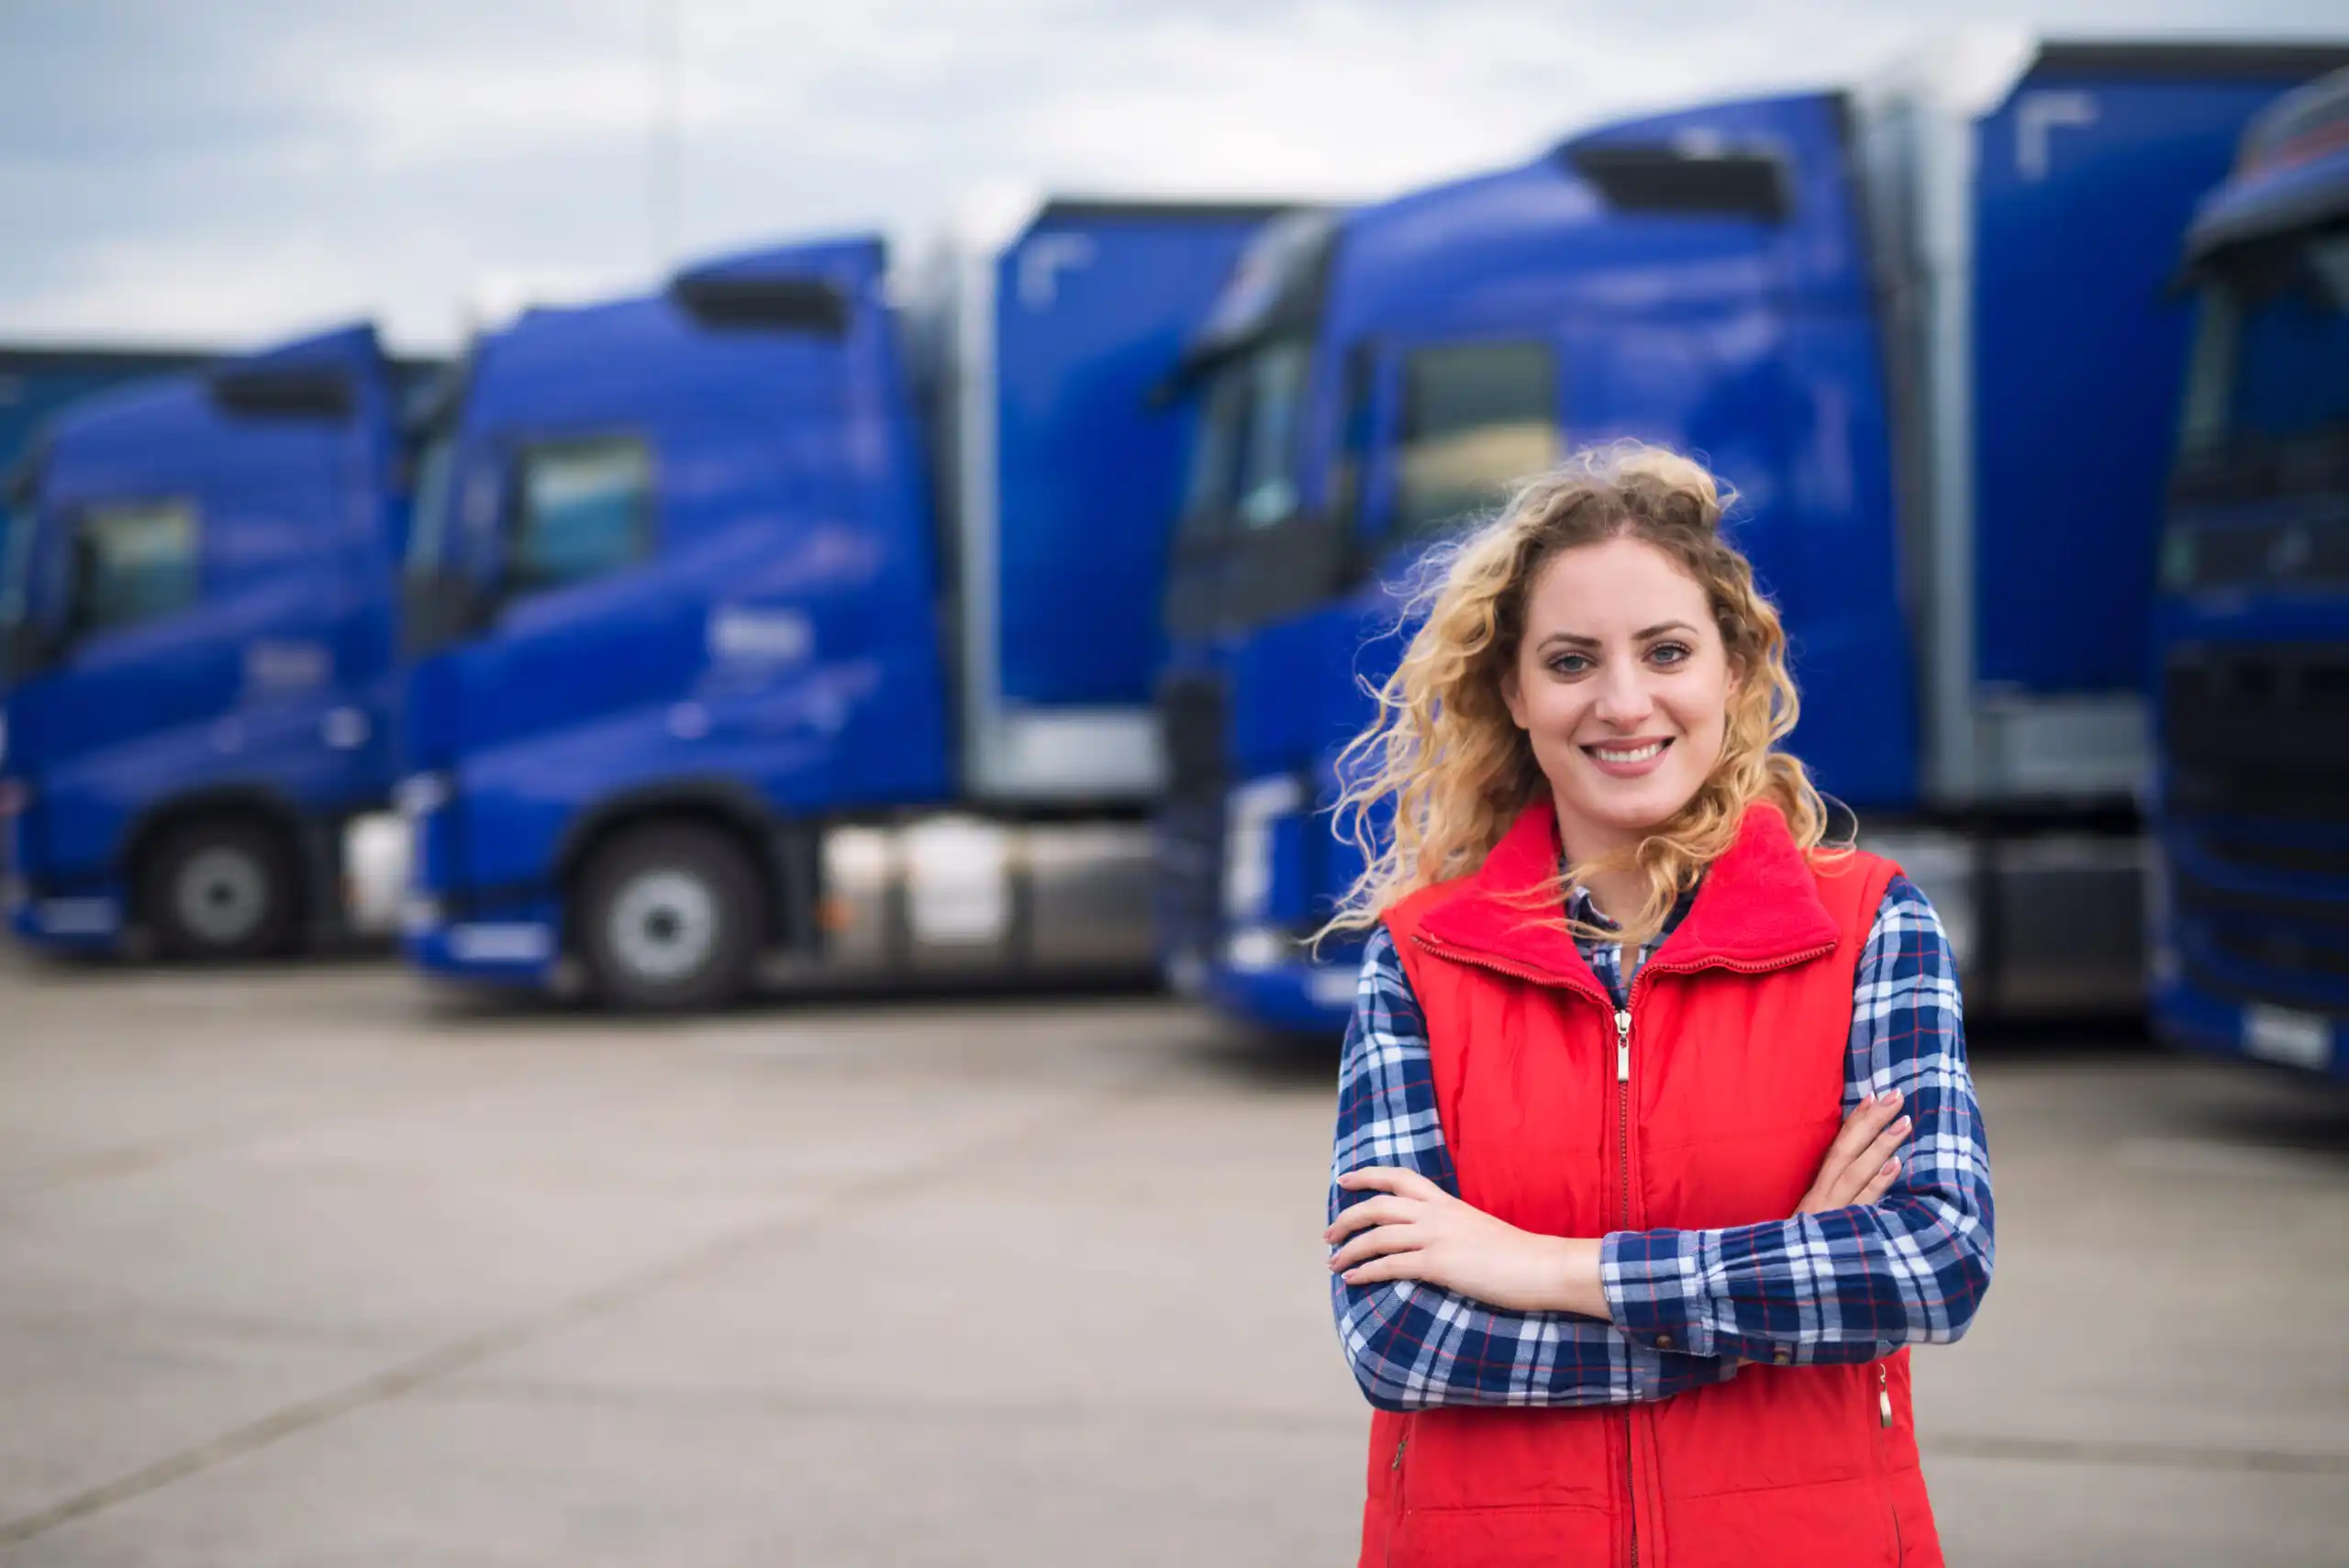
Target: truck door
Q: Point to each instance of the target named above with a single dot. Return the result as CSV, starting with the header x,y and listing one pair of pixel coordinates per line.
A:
x,y
588,634
137,680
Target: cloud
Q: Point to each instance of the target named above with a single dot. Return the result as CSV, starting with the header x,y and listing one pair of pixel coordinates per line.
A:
x,y
228,173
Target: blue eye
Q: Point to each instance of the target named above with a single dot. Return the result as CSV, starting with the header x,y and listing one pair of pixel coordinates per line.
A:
x,y
1570,663
1670,654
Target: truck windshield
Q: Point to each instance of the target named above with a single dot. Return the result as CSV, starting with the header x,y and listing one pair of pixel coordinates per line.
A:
x,y
1243,458
2271,359
428,533
16,562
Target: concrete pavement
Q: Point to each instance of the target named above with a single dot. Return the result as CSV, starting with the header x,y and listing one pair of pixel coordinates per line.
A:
x,y
303,1265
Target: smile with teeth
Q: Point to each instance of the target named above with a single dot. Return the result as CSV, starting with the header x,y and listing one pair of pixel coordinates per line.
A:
x,y
1635,755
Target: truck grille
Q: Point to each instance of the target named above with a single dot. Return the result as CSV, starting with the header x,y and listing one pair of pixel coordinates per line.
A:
x,y
2257,740
2259,731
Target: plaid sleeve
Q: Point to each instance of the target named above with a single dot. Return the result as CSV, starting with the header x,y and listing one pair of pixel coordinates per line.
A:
x,y
1856,1282
1414,1345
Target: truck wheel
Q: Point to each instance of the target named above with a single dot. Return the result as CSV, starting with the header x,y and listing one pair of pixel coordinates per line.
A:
x,y
668,921
219,890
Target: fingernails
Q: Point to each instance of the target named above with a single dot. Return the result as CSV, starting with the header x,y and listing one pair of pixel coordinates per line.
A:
x,y
1901,1126
1868,1101
1890,1165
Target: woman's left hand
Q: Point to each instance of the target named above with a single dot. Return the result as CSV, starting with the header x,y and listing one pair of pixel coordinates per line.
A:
x,y
1415,1231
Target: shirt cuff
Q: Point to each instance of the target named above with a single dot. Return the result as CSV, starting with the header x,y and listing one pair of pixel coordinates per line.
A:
x,y
1655,1289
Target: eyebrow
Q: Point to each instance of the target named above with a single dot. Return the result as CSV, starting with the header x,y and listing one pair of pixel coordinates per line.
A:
x,y
1641,635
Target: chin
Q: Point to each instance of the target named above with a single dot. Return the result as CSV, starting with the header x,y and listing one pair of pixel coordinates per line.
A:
x,y
1633,812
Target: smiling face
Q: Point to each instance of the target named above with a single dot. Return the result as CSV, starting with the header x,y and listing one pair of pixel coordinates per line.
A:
x,y
1622,686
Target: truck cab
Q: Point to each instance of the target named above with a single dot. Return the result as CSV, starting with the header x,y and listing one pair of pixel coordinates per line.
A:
x,y
1892,318
2250,926
763,629
1374,382
200,640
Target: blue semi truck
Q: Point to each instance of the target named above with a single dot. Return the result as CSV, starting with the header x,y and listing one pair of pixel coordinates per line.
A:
x,y
797,622
2251,922
197,624
1920,327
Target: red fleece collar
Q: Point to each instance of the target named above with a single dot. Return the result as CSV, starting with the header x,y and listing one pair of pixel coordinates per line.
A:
x,y
1756,907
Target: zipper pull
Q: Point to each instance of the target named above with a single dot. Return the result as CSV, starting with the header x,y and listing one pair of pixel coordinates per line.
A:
x,y
1623,1045
1883,1395
1399,1453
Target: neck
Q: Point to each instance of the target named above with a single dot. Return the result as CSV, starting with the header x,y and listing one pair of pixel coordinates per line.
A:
x,y
1618,892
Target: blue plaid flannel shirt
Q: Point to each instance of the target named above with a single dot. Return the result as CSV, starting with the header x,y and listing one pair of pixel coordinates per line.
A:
x,y
1847,1285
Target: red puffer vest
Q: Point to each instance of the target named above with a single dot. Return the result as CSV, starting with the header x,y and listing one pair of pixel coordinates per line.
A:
x,y
1710,1103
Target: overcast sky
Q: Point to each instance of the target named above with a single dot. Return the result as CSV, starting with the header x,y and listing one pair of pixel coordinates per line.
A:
x,y
227,172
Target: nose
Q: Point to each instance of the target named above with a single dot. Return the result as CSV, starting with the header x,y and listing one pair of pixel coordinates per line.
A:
x,y
1624,701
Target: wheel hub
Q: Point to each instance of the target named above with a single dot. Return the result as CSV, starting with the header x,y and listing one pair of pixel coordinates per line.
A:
x,y
222,896
664,925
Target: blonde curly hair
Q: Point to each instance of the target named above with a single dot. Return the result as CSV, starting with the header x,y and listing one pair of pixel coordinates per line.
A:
x,y
1449,770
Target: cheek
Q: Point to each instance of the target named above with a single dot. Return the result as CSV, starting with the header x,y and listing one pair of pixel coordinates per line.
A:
x,y
1704,719
1553,713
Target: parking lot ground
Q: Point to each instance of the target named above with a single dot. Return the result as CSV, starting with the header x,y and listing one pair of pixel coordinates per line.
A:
x,y
306,1264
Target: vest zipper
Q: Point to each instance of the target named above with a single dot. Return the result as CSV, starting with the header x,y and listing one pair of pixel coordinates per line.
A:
x,y
1623,1155
1623,1110
1882,1396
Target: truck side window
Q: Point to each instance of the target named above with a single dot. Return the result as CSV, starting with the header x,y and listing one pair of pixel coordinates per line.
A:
x,y
1477,417
586,508
133,561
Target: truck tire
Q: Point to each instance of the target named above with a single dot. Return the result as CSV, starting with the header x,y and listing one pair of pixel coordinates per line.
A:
x,y
668,921
219,888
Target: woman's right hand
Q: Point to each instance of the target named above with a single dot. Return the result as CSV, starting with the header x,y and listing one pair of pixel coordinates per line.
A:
x,y
1861,1166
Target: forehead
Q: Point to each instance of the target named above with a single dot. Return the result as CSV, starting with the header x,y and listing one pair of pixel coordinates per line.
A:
x,y
1617,585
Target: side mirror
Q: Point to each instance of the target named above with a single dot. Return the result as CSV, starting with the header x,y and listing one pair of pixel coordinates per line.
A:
x,y
443,608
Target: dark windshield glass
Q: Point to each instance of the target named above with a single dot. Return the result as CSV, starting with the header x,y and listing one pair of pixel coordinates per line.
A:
x,y
1244,455
429,532
1215,443
16,562
2271,357
1268,490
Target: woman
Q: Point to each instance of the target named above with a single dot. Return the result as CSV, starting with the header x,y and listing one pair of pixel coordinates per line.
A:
x,y
1657,1144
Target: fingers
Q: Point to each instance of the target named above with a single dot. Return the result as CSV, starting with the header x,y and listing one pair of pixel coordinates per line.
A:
x,y
1861,1128
1382,1210
1872,1172
1411,1265
1391,1179
1881,1183
1864,1168
1376,1243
